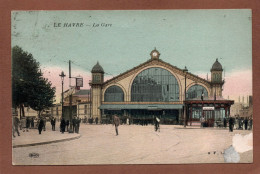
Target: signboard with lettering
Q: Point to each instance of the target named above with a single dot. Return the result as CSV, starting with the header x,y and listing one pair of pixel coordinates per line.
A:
x,y
79,82
208,108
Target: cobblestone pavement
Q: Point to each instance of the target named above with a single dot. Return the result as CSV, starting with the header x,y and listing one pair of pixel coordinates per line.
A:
x,y
135,144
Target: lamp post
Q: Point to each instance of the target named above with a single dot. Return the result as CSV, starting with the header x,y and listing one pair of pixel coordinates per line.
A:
x,y
185,70
62,75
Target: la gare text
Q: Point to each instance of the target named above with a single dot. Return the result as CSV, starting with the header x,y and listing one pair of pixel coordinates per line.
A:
x,y
78,25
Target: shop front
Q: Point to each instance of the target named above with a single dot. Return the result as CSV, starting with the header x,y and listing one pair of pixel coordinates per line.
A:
x,y
213,111
143,113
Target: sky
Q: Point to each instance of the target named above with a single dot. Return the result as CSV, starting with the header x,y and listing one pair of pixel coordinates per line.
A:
x,y
121,40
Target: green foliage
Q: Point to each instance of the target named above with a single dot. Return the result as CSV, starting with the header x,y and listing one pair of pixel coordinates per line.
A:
x,y
41,95
28,85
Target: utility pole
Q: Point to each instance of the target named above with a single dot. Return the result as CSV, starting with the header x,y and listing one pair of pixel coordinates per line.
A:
x,y
185,70
70,100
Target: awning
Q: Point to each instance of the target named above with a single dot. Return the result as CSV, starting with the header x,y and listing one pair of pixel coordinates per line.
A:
x,y
140,106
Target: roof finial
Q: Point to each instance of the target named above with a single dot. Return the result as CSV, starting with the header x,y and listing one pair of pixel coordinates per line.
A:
x,y
217,59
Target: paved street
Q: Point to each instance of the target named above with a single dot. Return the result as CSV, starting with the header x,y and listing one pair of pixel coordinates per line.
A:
x,y
135,145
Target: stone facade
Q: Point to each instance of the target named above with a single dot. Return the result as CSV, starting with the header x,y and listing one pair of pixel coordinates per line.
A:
x,y
125,80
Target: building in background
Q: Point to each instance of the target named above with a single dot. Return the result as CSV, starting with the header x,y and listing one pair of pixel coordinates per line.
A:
x,y
157,88
242,109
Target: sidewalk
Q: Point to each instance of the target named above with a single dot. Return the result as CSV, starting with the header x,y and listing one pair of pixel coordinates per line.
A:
x,y
33,138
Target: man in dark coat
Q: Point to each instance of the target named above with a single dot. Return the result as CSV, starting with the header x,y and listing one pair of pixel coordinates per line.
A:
x,y
225,122
27,124
116,123
32,123
62,125
246,123
41,125
77,124
44,124
231,124
53,122
96,120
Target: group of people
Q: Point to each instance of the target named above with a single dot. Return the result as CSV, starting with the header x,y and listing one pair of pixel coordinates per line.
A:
x,y
90,120
27,123
239,123
75,125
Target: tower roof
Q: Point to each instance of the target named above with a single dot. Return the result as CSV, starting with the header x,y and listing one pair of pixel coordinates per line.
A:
x,y
216,66
97,69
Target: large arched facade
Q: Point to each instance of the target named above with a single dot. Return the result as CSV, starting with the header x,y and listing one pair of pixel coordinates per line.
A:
x,y
156,88
155,84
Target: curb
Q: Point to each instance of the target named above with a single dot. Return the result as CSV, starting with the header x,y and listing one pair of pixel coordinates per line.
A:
x,y
47,142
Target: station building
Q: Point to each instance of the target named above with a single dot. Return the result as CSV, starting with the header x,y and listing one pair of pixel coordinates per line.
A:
x,y
157,88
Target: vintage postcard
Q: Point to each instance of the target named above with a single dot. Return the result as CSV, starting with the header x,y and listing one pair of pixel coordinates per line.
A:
x,y
132,87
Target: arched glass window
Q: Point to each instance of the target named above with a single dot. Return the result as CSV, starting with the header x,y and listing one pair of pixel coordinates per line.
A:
x,y
196,91
155,85
114,94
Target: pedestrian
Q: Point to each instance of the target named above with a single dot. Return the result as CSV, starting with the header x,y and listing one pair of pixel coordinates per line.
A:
x,y
116,123
16,122
231,124
202,120
251,123
77,124
44,124
53,122
32,123
127,121
157,123
27,124
85,120
246,123
74,123
67,123
96,120
236,123
62,125
225,122
41,125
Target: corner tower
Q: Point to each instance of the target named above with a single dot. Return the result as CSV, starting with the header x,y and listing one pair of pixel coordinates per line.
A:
x,y
216,79
96,90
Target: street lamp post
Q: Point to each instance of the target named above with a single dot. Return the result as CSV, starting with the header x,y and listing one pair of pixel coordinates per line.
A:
x,y
185,70
62,75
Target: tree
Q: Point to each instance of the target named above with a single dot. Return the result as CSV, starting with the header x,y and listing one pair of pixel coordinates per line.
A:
x,y
41,95
27,80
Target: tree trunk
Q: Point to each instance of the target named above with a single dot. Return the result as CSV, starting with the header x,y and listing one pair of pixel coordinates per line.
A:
x,y
21,111
39,114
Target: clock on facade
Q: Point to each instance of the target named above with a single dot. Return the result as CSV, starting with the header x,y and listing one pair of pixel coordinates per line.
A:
x,y
155,54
